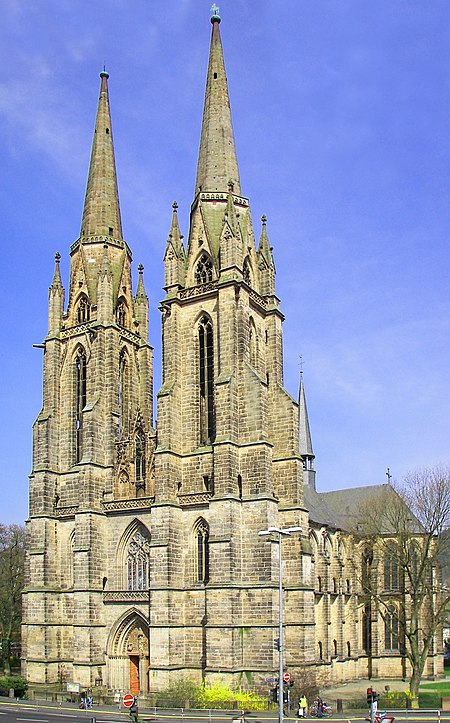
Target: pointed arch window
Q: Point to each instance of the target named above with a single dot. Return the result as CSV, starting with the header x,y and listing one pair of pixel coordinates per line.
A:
x,y
123,394
83,310
204,269
202,551
206,381
138,561
366,569
246,273
391,628
139,457
80,400
391,568
121,314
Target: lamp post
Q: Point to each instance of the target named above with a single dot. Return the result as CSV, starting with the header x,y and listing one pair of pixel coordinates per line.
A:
x,y
281,532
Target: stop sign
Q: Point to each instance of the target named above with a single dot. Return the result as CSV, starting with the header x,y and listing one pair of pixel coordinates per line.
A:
x,y
286,677
128,700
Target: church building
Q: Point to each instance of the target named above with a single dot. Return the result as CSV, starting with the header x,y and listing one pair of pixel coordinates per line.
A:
x,y
144,561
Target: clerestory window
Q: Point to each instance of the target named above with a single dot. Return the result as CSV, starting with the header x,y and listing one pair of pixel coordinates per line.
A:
x,y
123,395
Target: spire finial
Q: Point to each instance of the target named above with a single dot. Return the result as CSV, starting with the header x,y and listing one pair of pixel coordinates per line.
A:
x,y
264,219
57,257
175,206
141,269
215,17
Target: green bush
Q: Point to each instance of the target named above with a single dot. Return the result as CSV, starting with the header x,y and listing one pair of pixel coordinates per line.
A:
x,y
177,695
19,684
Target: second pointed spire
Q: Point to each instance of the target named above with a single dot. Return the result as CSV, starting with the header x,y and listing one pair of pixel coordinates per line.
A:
x,y
101,214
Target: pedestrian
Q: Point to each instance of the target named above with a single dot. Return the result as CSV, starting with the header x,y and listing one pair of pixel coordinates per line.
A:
x,y
302,706
134,710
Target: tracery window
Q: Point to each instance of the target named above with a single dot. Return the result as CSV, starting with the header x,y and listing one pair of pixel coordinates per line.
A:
x,y
246,272
121,314
139,456
203,271
206,381
366,624
391,628
83,310
366,569
80,400
138,561
391,568
202,551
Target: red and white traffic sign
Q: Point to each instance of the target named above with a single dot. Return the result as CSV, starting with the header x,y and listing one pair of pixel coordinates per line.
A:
x,y
286,677
128,700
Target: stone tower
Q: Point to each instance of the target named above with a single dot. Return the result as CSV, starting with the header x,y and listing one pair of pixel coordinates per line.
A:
x,y
144,558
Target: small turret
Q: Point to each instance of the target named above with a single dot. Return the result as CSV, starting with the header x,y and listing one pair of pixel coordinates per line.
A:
x,y
141,306
55,300
265,262
304,438
174,257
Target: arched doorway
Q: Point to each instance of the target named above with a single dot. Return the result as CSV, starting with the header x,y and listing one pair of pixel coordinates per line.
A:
x,y
129,654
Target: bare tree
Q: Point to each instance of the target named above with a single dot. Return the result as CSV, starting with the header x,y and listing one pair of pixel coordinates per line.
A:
x,y
12,546
408,532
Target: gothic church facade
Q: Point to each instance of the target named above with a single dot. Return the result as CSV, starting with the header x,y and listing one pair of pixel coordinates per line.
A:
x,y
144,561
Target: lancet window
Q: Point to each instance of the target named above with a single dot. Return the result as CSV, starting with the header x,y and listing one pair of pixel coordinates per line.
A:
x,y
202,551
246,272
121,315
206,381
204,268
391,568
252,342
139,457
391,628
80,399
83,310
123,393
138,561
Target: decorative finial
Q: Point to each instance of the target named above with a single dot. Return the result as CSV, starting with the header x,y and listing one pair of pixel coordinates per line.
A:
x,y
57,257
104,74
215,17
301,364
388,475
175,206
264,219
141,269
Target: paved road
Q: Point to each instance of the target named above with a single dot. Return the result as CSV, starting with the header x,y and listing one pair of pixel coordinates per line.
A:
x,y
37,712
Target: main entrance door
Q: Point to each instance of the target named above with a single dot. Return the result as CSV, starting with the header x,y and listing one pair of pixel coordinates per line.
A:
x,y
134,675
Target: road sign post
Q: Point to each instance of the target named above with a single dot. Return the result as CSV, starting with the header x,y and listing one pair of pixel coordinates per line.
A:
x,y
128,700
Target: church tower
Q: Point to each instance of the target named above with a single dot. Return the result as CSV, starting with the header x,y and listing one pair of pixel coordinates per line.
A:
x,y
92,441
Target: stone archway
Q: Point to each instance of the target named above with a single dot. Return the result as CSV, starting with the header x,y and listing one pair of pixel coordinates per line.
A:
x,y
129,654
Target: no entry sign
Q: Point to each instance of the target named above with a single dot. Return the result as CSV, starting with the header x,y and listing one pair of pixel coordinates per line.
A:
x,y
128,700
286,677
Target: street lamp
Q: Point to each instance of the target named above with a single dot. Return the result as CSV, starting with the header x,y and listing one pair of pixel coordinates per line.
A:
x,y
286,532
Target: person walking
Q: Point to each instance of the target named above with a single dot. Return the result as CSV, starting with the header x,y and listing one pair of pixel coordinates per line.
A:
x,y
302,706
134,710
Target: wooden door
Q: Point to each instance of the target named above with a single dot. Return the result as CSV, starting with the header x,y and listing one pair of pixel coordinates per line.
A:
x,y
134,675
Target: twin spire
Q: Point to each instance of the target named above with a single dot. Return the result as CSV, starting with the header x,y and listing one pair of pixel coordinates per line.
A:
x,y
217,161
101,214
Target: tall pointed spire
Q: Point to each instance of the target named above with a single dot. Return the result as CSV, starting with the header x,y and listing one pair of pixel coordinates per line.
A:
x,y
304,438
217,161
101,215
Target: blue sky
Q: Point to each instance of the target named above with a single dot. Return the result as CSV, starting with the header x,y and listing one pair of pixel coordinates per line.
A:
x,y
340,112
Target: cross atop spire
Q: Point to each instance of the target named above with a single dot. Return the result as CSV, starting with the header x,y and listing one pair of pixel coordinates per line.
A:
x,y
217,161
101,214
